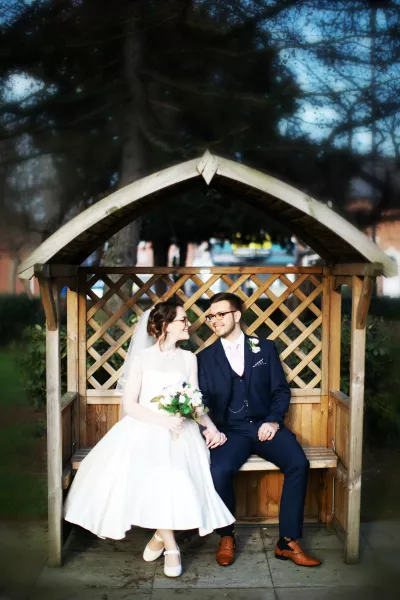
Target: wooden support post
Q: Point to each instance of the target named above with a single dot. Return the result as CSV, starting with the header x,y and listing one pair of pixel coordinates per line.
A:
x,y
82,356
47,297
72,340
324,406
72,356
325,337
54,441
365,300
335,334
356,416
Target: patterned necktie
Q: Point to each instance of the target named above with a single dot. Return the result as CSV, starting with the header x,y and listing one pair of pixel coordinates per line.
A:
x,y
236,359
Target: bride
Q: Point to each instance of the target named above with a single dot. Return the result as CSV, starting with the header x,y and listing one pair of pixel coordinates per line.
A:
x,y
141,473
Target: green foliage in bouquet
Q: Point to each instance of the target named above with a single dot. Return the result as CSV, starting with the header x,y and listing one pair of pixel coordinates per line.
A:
x,y
185,401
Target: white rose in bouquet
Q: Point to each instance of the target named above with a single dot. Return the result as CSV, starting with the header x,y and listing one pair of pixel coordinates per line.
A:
x,y
183,400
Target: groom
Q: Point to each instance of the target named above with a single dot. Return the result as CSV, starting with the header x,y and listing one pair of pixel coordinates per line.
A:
x,y
245,388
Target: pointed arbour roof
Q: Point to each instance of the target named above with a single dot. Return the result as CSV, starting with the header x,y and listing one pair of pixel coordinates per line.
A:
x,y
332,237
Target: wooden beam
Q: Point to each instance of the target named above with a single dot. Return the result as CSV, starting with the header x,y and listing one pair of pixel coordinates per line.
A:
x,y
54,433
361,269
67,399
326,297
295,392
300,396
41,270
326,219
73,354
82,357
319,457
106,397
365,300
356,416
342,474
341,398
335,331
77,238
63,270
324,511
200,270
72,340
47,297
66,477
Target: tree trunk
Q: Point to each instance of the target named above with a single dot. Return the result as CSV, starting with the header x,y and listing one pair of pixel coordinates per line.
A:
x,y
183,252
122,247
160,253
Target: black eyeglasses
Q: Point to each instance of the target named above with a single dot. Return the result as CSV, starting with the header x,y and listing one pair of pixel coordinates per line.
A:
x,y
219,315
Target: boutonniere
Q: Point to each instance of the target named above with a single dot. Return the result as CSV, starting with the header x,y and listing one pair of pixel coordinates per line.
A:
x,y
253,343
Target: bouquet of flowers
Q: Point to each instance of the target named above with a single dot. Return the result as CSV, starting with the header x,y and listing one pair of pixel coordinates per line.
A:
x,y
185,401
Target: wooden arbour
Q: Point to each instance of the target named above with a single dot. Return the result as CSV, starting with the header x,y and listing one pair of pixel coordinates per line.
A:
x,y
304,318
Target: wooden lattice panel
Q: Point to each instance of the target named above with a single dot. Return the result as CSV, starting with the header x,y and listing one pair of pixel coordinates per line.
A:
x,y
283,306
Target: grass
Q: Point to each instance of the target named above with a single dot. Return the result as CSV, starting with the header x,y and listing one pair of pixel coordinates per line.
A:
x,y
10,383
22,462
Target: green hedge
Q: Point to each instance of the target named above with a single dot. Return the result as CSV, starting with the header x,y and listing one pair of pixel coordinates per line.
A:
x,y
30,354
388,308
16,313
382,378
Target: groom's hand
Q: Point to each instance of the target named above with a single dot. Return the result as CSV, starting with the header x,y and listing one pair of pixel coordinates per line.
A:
x,y
267,431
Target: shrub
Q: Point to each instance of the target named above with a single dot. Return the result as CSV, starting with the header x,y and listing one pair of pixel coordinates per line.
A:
x,y
382,379
16,313
381,306
31,358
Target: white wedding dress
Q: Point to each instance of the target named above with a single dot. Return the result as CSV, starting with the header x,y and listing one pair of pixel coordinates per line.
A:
x,y
138,474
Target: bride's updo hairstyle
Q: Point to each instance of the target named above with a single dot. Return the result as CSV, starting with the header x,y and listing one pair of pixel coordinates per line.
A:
x,y
160,317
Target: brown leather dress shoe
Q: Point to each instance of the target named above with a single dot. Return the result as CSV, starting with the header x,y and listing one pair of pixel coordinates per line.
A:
x,y
297,555
226,551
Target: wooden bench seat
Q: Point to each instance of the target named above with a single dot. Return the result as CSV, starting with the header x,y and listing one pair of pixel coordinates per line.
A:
x,y
319,457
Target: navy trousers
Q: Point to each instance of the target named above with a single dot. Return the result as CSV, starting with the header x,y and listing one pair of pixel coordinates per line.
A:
x,y
283,450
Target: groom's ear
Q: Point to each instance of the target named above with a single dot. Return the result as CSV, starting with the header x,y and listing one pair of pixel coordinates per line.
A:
x,y
237,316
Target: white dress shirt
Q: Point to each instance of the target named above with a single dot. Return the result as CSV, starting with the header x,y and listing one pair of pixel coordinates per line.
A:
x,y
236,346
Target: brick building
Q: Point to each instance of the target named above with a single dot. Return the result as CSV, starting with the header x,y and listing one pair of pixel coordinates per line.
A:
x,y
386,235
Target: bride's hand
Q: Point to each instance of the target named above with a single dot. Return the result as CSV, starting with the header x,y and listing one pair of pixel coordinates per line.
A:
x,y
214,438
174,424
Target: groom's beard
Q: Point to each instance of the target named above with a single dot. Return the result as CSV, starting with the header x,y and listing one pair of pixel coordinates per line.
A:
x,y
224,330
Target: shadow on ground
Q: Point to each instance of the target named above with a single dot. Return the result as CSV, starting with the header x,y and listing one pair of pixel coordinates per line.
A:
x,y
112,570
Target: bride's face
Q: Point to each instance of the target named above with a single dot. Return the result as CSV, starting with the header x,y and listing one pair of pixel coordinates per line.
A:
x,y
179,328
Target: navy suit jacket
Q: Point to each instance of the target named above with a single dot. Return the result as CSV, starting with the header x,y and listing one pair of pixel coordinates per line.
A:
x,y
268,393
